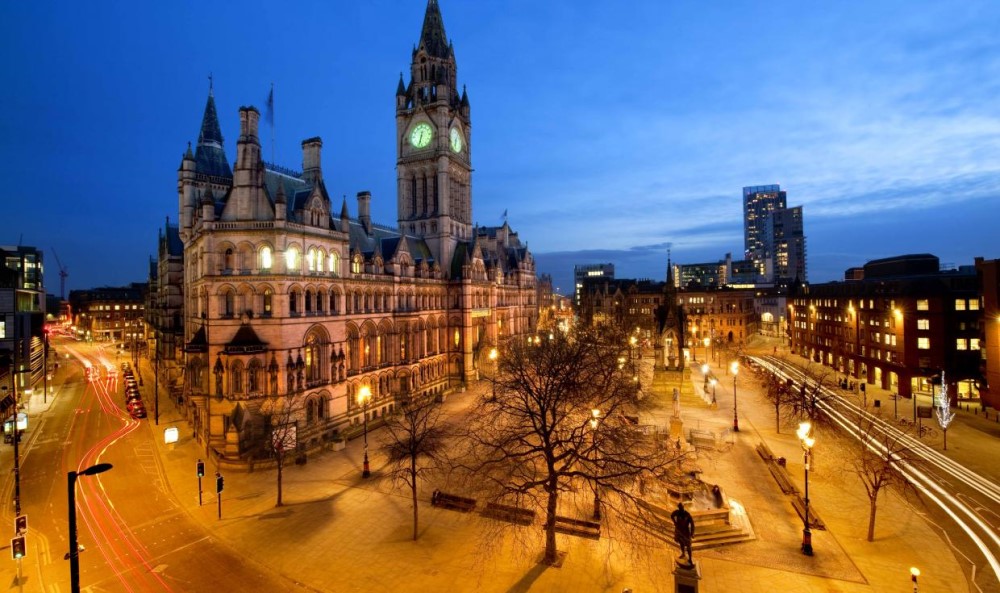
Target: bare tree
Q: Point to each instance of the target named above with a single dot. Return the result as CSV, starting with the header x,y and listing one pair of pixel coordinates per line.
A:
x,y
780,393
416,446
280,433
879,451
558,427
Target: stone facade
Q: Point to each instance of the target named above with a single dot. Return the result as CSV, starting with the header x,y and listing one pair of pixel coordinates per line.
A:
x,y
286,299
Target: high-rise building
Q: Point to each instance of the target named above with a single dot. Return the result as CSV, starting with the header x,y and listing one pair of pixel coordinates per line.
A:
x,y
773,237
285,297
584,272
22,316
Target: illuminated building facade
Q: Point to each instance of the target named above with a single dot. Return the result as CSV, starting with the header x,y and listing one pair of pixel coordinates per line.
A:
x,y
773,235
898,326
584,272
22,317
288,297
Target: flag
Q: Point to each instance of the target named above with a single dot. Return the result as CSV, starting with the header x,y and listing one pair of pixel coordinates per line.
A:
x,y
269,110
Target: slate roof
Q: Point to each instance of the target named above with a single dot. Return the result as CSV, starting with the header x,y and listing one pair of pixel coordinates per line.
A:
x,y
209,156
432,37
198,342
245,341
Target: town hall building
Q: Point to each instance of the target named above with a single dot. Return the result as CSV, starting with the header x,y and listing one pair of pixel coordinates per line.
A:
x,y
289,311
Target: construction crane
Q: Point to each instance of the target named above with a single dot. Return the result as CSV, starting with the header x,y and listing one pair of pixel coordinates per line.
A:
x,y
62,276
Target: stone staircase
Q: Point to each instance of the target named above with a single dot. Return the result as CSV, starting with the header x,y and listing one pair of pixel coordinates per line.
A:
x,y
713,527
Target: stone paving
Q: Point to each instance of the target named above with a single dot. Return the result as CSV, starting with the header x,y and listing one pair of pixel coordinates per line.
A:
x,y
339,532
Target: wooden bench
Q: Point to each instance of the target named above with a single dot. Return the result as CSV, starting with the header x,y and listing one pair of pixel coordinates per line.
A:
x,y
765,452
781,477
513,514
453,502
800,507
578,527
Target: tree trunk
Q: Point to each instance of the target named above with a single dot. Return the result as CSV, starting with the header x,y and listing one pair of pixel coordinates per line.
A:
x,y
777,417
945,430
413,487
550,523
871,517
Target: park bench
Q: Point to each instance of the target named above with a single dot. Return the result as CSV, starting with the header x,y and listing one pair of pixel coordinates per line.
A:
x,y
765,452
453,502
781,477
814,521
513,514
578,527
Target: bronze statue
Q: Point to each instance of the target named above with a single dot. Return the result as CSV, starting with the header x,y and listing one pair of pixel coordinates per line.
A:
x,y
683,532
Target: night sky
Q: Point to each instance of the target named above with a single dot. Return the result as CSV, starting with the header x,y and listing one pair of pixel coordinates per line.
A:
x,y
606,130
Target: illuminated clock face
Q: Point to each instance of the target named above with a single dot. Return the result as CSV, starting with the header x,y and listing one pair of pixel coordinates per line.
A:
x,y
420,135
456,140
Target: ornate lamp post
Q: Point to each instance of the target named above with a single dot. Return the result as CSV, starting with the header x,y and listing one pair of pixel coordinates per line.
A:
x,y
735,368
807,442
704,372
595,420
493,362
74,548
914,573
714,382
364,396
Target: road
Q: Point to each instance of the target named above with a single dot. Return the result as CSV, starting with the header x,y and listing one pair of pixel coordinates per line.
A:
x,y
962,497
135,534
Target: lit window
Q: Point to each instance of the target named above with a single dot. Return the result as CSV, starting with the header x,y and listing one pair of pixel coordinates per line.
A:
x,y
960,304
923,343
923,305
292,258
356,265
973,304
961,344
311,260
974,343
889,339
923,324
332,263
265,258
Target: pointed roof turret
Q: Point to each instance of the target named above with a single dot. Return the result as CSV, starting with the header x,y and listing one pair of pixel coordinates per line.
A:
x,y
432,37
401,88
465,97
210,156
344,215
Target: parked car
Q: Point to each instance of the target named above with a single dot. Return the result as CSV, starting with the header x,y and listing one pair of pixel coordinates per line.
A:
x,y
138,411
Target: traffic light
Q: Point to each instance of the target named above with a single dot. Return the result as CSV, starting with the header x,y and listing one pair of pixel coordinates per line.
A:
x,y
218,482
17,548
21,524
201,468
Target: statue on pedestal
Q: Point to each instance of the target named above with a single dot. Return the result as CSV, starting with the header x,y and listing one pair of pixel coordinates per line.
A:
x,y
683,533
677,403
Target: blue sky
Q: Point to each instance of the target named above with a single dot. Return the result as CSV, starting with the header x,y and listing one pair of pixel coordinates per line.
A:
x,y
607,130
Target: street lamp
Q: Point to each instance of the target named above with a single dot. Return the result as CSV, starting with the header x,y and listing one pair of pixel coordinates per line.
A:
x,y
74,550
493,360
914,573
735,368
706,342
807,441
364,396
704,372
594,421
714,382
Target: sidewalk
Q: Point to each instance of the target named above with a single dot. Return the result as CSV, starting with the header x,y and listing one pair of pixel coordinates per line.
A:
x,y
339,532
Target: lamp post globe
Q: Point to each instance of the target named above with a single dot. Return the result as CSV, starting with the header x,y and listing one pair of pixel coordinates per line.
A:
x,y
804,434
595,420
364,396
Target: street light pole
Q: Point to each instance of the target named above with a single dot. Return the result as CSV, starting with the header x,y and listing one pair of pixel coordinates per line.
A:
x,y
363,396
807,442
74,549
493,360
735,368
914,573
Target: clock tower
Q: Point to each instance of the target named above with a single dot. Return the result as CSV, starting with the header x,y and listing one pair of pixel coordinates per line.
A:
x,y
433,152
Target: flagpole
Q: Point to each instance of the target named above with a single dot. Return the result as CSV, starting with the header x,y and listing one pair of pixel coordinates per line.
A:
x,y
272,125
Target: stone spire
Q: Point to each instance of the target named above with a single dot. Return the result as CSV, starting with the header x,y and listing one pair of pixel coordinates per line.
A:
x,y
210,155
433,39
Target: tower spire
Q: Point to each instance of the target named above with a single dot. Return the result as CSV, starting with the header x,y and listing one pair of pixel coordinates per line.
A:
x,y
433,39
210,155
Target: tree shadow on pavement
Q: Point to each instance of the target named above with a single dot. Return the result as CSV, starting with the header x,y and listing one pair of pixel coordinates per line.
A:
x,y
523,585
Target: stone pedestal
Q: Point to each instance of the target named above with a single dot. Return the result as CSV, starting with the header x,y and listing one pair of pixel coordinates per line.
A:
x,y
686,577
676,429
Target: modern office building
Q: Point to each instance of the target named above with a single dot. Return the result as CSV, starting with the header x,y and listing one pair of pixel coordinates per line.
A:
x,y
589,271
898,326
115,314
22,320
287,297
773,235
